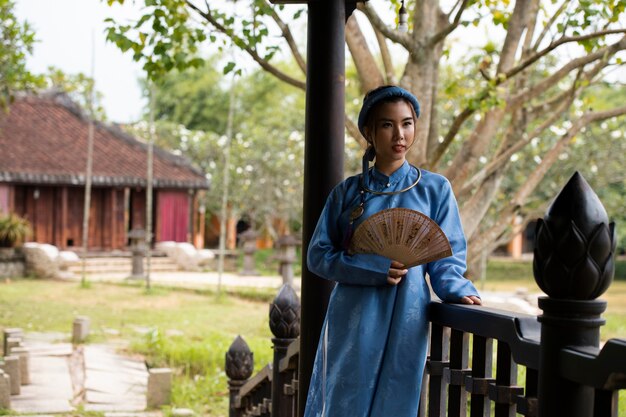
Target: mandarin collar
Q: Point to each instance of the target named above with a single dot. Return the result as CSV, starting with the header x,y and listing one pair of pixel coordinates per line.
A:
x,y
394,178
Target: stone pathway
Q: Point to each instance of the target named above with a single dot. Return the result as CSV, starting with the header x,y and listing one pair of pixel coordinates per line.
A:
x,y
94,376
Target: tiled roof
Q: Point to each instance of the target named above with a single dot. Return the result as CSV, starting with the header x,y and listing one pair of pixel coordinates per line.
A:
x,y
43,140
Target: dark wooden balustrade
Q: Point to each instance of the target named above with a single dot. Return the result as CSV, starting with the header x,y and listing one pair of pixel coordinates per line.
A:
x,y
567,374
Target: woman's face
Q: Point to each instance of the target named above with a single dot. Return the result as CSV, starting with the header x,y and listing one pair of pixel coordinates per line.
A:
x,y
393,132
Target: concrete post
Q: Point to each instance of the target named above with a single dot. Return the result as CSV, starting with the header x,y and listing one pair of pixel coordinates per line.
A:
x,y
287,257
12,343
11,367
138,249
159,387
80,329
24,356
248,244
5,391
10,333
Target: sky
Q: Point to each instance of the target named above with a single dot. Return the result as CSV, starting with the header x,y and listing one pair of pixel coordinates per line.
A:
x,y
66,30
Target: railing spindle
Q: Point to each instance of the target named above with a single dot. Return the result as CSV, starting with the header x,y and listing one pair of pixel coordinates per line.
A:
x,y
605,403
455,374
528,405
439,342
477,384
504,392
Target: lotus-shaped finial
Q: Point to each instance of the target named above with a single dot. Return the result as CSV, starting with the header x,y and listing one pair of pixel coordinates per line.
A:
x,y
575,245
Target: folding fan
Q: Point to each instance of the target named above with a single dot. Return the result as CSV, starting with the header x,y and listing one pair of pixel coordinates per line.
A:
x,y
405,235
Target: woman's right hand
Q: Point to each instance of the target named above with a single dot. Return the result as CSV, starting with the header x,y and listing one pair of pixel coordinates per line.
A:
x,y
396,273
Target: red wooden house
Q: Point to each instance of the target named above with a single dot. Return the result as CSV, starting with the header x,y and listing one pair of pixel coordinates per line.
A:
x,y
43,159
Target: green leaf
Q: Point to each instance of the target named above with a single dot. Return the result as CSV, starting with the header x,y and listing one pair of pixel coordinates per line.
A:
x,y
228,67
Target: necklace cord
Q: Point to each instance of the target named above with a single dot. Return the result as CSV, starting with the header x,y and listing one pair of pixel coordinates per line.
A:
x,y
369,190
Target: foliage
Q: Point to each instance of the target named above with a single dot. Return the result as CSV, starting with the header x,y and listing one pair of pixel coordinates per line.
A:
x,y
80,88
266,148
499,82
16,44
13,230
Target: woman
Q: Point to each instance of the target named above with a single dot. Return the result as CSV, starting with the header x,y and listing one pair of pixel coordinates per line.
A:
x,y
372,350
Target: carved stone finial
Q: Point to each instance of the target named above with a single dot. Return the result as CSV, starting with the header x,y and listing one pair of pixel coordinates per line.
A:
x,y
239,360
575,245
285,314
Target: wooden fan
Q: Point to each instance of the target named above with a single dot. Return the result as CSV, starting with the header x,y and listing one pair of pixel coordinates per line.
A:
x,y
405,235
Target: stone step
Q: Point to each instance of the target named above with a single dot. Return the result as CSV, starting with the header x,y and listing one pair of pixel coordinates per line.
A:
x,y
124,261
104,266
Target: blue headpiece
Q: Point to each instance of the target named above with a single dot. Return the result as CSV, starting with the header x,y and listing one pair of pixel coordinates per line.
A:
x,y
383,93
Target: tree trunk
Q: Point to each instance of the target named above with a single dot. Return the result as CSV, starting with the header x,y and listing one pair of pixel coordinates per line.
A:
x,y
369,73
420,74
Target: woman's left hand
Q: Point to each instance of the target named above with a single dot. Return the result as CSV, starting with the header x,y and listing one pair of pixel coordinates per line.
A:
x,y
471,299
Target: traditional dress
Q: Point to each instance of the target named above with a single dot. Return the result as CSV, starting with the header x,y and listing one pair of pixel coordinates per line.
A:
x,y
372,349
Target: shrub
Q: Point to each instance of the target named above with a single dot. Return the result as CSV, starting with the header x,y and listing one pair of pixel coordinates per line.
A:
x,y
13,230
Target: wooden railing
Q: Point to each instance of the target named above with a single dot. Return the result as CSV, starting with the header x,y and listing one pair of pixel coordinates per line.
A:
x,y
566,374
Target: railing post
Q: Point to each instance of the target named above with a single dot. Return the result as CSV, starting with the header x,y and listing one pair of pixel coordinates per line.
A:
x,y
573,265
239,367
285,325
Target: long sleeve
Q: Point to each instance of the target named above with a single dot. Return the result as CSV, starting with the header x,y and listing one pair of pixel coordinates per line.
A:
x,y
327,258
446,275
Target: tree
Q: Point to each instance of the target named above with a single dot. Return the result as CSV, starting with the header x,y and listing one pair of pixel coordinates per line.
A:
x,y
518,86
16,43
78,87
266,167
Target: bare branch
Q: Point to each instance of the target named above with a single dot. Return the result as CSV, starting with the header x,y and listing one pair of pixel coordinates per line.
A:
x,y
243,45
386,56
353,131
548,82
457,4
441,35
449,138
562,41
537,175
503,158
549,24
290,41
366,66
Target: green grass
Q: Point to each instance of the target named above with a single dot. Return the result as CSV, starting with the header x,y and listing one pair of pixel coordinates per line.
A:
x,y
267,265
189,331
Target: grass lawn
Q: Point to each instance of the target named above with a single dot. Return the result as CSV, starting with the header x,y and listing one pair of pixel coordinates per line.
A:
x,y
185,330
190,331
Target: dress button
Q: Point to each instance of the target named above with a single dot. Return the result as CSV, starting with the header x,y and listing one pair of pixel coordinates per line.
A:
x,y
388,185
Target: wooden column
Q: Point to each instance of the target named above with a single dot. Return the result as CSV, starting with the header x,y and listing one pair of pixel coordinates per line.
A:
x,y
113,219
323,160
64,218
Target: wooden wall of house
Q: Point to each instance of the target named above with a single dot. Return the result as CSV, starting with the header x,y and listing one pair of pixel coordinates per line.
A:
x,y
174,220
56,216
6,198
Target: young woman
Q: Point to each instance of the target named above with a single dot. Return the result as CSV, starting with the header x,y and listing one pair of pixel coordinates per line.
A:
x,y
372,349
